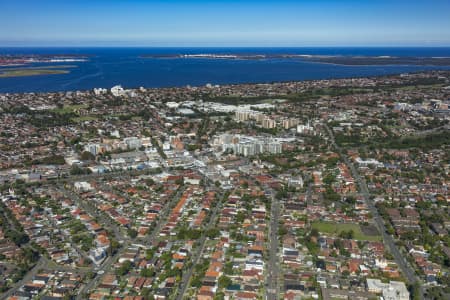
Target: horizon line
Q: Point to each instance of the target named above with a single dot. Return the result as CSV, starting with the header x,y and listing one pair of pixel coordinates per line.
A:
x,y
223,46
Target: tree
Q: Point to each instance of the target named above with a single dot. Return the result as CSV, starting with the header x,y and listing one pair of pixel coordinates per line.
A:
x,y
149,254
331,195
240,217
145,292
282,230
124,268
350,200
219,296
75,170
51,160
90,275
347,234
228,268
281,194
314,232
329,179
224,281
132,233
86,155
19,238
114,246
212,233
147,272
196,282
191,234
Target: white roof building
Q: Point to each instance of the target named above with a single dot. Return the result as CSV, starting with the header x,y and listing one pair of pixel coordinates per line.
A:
x,y
82,186
394,290
117,91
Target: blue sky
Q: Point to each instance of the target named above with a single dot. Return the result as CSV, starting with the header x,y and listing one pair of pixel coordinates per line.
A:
x,y
225,23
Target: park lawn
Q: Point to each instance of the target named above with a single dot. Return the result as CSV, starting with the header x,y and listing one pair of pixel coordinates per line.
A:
x,y
336,228
69,108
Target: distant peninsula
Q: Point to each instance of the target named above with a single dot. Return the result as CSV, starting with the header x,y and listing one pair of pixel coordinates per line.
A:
x,y
26,59
33,71
223,56
345,60
380,60
23,65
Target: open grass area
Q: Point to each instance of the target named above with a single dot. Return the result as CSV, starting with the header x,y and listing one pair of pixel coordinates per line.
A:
x,y
69,108
415,87
336,228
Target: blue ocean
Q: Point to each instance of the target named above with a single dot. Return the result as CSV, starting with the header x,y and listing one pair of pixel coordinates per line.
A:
x,y
107,67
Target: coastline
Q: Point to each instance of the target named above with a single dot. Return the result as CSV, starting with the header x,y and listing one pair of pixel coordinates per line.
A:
x,y
107,67
340,60
228,85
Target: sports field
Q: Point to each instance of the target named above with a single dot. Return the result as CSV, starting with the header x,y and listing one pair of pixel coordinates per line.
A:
x,y
336,228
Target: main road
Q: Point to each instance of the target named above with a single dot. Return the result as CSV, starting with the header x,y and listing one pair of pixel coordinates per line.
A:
x,y
404,266
272,276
